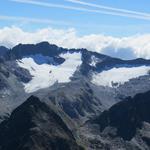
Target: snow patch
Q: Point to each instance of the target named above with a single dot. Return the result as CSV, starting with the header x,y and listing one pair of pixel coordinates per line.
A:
x,y
117,76
45,75
94,61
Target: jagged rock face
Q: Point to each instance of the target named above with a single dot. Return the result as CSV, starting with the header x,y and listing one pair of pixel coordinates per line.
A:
x,y
126,125
79,99
3,51
34,126
23,50
127,115
11,90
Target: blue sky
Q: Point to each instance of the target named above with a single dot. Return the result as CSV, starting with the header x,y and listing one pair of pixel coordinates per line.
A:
x,y
85,22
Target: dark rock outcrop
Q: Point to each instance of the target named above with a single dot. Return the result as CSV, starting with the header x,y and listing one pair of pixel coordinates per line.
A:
x,y
127,116
34,126
3,51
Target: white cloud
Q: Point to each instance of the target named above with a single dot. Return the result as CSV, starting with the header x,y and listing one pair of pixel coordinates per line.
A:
x,y
125,47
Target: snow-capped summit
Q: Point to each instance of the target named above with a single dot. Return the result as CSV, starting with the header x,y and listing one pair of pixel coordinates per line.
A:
x,y
48,64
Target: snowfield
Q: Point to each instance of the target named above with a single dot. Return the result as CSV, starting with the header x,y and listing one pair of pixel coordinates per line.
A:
x,y
45,75
119,75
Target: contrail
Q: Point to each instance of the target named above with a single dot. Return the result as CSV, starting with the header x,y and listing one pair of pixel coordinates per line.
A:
x,y
110,8
51,5
34,20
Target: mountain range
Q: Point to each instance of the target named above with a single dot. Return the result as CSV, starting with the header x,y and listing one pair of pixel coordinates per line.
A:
x,y
52,98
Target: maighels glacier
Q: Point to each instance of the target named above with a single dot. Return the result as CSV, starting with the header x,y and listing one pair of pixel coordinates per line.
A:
x,y
45,75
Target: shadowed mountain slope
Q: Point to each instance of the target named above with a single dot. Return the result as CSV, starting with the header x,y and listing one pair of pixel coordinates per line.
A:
x,y
34,126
